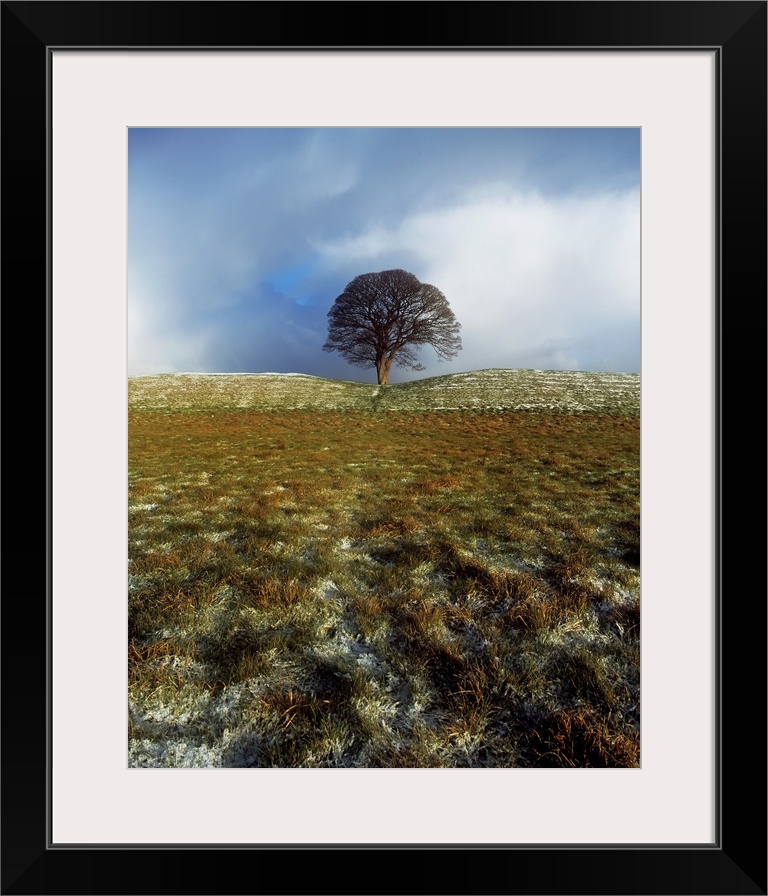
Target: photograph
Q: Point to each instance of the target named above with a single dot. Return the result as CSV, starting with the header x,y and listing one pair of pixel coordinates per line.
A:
x,y
373,349
384,447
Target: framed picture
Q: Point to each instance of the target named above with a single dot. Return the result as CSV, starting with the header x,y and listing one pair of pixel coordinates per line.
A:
x,y
690,77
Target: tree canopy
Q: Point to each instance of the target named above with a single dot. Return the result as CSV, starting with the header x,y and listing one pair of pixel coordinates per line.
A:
x,y
384,318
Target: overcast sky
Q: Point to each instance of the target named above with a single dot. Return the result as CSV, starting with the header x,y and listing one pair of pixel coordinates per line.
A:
x,y
240,240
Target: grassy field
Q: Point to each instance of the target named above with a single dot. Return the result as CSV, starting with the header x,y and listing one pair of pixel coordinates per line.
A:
x,y
443,573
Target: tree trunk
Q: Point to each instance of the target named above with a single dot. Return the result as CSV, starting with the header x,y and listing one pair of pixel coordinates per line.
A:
x,y
382,371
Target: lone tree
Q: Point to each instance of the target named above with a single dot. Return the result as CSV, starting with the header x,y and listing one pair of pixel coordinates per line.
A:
x,y
383,318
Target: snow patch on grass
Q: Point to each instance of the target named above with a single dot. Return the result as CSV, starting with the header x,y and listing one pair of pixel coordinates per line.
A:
x,y
557,391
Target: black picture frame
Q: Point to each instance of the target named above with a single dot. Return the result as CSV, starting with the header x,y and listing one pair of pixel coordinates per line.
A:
x,y
736,862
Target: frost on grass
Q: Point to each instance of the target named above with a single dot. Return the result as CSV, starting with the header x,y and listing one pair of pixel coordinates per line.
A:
x,y
366,589
557,391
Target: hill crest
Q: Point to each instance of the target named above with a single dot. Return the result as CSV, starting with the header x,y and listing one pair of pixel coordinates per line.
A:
x,y
492,389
